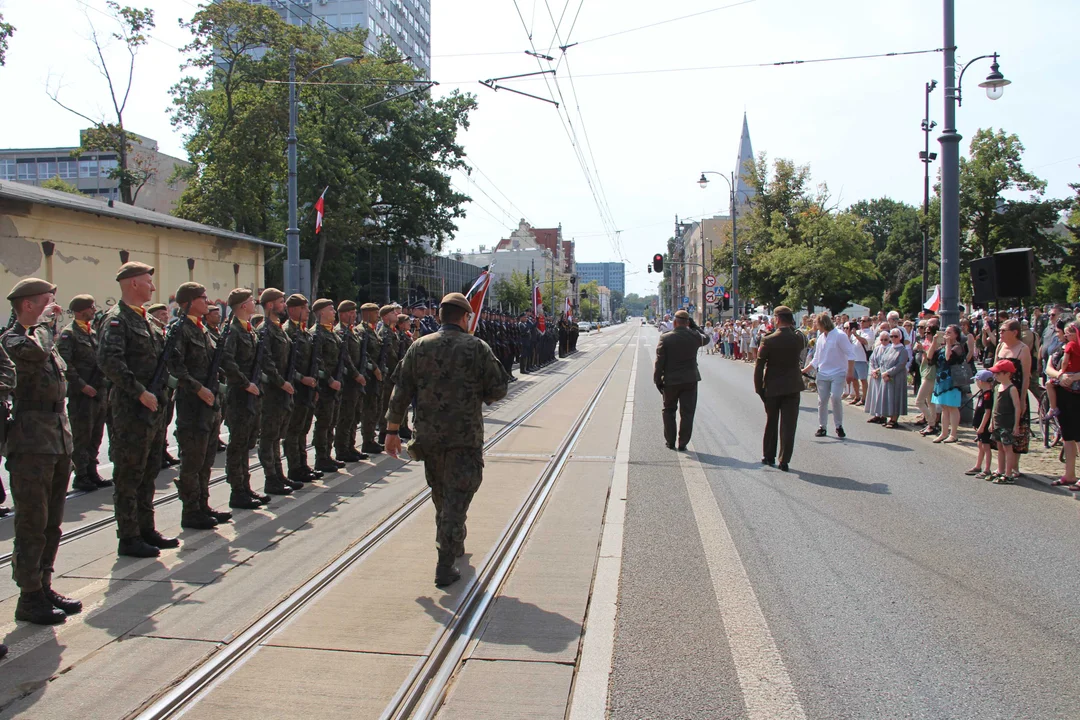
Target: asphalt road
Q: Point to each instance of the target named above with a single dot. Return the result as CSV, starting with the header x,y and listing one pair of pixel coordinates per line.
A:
x,y
892,585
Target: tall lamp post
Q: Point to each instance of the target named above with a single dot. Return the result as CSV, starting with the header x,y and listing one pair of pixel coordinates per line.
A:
x,y
292,233
950,164
926,157
704,183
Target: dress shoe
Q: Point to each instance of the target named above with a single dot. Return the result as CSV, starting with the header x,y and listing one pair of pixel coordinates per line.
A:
x,y
198,521
767,461
156,539
276,487
167,460
371,448
820,432
221,516
840,431
327,465
784,467
240,500
83,483
682,448
4,511
670,446
35,607
136,547
68,606
98,480
446,575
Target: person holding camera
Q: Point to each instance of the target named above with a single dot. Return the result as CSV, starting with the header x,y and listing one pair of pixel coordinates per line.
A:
x,y
676,376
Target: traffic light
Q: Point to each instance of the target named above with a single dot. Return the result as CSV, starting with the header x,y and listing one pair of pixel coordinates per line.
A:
x,y
584,294
727,300
658,262
649,268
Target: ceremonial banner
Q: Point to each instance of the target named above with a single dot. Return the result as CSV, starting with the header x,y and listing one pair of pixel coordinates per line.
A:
x,y
538,309
476,296
319,205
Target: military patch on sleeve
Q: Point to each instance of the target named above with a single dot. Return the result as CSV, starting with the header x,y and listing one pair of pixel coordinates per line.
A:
x,y
114,323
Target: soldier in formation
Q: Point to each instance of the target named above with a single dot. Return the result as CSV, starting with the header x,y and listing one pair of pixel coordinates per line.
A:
x,y
279,375
354,386
334,367
388,359
242,363
369,412
158,314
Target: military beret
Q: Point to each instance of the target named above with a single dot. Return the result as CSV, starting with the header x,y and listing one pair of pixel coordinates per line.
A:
x,y
296,300
269,295
386,309
239,296
682,315
369,306
80,303
346,306
403,318
214,308
457,300
156,306
782,310
133,269
188,292
28,287
322,303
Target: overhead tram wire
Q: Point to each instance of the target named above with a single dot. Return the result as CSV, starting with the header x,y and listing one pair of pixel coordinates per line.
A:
x,y
476,185
102,12
661,22
477,168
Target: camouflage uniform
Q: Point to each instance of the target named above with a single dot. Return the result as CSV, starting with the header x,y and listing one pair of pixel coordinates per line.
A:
x,y
303,401
326,408
388,355
277,404
38,451
241,407
451,374
369,414
351,393
128,354
197,424
78,346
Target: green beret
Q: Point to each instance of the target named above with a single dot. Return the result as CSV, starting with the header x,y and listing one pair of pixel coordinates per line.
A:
x,y
346,306
239,296
80,303
188,292
29,287
269,295
296,300
321,303
369,306
403,318
386,309
156,306
133,269
457,300
213,308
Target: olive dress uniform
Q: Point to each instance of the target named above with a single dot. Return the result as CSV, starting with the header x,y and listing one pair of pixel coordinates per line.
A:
x,y
277,404
388,360
778,381
351,391
303,402
77,345
369,414
331,348
241,407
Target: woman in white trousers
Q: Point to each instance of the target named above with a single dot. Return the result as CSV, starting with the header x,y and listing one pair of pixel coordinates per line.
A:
x,y
834,363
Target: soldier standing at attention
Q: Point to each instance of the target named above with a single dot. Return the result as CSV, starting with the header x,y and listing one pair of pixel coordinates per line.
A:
x,y
198,414
369,416
326,407
451,374
243,401
38,449
87,393
405,341
158,314
7,384
277,395
345,432
387,361
304,399
212,323
128,353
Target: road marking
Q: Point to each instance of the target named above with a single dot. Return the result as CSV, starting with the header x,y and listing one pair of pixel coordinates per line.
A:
x,y
766,686
589,694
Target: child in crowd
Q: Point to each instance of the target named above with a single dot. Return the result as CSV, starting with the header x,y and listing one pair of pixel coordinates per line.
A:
x,y
1070,363
984,408
1006,421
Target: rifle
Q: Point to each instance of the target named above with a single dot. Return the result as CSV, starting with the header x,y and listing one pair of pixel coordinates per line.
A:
x,y
160,378
256,370
213,380
313,370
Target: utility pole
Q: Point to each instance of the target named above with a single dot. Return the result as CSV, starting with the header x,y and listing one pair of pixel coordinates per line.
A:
x,y
927,157
292,233
950,180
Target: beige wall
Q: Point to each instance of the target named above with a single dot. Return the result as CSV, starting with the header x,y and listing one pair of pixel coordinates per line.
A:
x,y
87,255
710,235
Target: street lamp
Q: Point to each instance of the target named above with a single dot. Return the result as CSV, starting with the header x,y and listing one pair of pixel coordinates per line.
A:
x,y
926,157
292,233
950,163
703,182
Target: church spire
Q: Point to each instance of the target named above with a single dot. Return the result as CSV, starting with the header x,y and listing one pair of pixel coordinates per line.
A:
x,y
743,191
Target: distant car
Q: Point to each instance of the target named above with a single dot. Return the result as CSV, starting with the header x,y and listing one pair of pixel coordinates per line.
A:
x,y
642,321
583,326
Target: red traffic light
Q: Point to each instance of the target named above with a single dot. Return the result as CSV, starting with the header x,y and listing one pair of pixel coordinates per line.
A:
x,y
726,295
658,262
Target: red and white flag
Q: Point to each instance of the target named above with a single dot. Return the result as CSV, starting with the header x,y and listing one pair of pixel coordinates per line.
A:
x,y
538,308
476,296
319,205
569,310
934,303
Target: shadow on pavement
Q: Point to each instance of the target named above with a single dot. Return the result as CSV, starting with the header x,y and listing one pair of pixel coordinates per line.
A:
x,y
841,483
726,462
510,621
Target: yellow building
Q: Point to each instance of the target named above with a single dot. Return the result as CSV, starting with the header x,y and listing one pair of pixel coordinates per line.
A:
x,y
78,243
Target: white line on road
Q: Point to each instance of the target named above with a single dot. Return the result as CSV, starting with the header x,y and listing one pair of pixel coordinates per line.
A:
x,y
766,686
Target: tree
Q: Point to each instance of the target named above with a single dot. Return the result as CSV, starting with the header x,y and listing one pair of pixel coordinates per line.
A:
x,y
132,171
57,183
513,292
910,299
1071,245
6,31
896,232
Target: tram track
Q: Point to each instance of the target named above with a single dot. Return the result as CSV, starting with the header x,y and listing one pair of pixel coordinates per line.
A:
x,y
201,680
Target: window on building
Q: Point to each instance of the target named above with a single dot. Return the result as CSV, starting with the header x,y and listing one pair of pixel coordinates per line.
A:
x,y
88,168
46,170
105,166
68,169
27,171
7,170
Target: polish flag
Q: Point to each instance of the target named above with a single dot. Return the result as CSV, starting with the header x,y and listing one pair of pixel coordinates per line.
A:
x,y
319,205
569,310
476,296
934,303
538,308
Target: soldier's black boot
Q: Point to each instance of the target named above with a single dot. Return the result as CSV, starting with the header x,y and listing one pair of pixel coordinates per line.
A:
x,y
326,465
83,483
197,520
98,480
3,650
4,511
137,547
167,460
445,572
313,475
275,486
36,608
156,539
287,480
66,605
220,515
372,448
240,500
261,499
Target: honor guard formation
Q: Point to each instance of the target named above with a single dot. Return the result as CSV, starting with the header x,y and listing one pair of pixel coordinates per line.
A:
x,y
270,378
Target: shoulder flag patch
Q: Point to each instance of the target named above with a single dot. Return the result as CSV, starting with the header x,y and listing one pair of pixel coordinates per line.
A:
x,y
114,322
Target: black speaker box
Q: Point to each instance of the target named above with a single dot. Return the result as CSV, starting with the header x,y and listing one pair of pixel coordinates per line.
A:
x,y
1014,273
983,281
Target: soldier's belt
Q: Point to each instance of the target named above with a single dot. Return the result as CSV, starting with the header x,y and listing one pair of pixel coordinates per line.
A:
x,y
38,407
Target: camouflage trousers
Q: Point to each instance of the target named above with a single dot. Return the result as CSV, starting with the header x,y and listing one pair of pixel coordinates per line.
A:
x,y
198,448
454,475
136,455
296,437
273,424
39,486
386,390
243,435
326,411
87,416
369,414
348,408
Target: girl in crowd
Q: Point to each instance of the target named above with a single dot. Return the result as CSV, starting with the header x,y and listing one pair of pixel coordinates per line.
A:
x,y
946,353
1006,423
1016,352
984,408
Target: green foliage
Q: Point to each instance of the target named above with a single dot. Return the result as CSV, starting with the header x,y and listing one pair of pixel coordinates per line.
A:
x,y
636,305
6,31
1071,245
514,292
385,158
896,232
911,297
57,183
1053,287
588,309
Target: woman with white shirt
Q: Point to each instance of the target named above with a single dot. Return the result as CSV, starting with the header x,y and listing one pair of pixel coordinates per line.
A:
x,y
834,363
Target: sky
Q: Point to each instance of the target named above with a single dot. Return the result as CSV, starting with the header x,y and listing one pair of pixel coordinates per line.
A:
x,y
648,109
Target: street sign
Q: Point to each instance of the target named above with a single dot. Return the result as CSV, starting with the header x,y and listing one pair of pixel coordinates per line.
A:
x,y
710,281
720,290
686,300
710,296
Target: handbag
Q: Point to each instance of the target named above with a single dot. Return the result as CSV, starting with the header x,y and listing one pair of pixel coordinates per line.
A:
x,y
961,376
1022,439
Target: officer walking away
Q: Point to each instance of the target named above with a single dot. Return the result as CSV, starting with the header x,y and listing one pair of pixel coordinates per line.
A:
x,y
130,352
278,392
451,374
243,401
198,415
676,376
778,381
38,449
87,393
